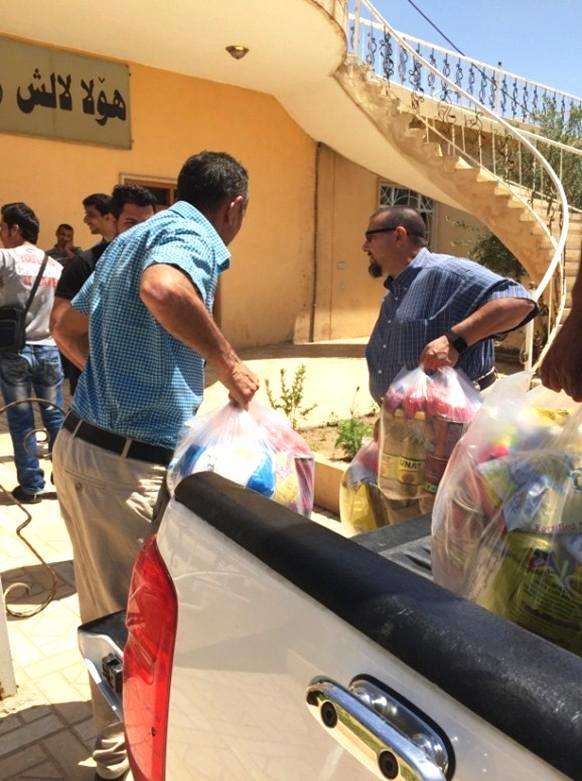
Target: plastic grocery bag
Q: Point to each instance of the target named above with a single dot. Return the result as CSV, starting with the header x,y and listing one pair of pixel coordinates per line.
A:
x,y
362,505
256,448
423,417
507,522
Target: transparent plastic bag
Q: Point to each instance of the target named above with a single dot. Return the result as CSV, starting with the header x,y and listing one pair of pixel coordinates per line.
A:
x,y
423,417
362,505
507,521
256,448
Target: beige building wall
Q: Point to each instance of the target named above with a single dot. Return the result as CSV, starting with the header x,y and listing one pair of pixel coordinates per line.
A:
x,y
172,117
347,298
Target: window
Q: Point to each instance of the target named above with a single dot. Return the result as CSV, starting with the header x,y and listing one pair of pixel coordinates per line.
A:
x,y
392,195
164,191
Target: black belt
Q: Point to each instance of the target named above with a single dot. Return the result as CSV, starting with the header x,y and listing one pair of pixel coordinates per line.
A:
x,y
130,448
486,380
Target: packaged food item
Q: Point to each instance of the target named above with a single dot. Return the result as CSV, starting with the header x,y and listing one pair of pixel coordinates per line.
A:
x,y
507,522
256,448
451,405
423,416
362,505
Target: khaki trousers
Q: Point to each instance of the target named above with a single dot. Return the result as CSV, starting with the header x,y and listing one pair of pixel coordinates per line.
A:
x,y
106,502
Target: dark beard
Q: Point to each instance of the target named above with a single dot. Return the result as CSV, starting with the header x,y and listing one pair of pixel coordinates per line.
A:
x,y
374,269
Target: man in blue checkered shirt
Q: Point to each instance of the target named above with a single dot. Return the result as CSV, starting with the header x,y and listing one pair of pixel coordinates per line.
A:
x,y
142,328
438,310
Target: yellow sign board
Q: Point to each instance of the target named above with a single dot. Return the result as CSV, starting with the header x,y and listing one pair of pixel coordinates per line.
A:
x,y
47,92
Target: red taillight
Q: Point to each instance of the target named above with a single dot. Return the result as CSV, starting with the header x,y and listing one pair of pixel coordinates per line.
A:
x,y
152,611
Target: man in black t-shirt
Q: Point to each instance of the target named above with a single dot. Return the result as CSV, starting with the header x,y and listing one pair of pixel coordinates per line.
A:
x,y
64,248
101,222
129,205
79,269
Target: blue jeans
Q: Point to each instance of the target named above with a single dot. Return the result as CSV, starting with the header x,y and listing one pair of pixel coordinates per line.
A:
x,y
34,371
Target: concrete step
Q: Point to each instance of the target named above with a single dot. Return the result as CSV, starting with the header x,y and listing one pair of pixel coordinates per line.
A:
x,y
415,133
433,149
454,163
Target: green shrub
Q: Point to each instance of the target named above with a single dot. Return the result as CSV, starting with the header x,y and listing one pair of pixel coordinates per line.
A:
x,y
290,398
351,433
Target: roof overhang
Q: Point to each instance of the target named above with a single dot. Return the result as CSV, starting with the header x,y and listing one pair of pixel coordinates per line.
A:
x,y
289,41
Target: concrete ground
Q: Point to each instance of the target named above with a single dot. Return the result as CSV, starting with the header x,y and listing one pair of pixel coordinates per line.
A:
x,y
46,729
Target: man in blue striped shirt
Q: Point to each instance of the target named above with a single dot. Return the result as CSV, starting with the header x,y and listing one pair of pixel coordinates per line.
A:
x,y
438,310
142,328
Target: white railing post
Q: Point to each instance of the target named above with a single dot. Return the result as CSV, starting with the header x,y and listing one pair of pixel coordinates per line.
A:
x,y
357,12
498,88
529,341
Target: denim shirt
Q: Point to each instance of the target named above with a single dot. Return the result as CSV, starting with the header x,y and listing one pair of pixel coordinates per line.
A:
x,y
431,295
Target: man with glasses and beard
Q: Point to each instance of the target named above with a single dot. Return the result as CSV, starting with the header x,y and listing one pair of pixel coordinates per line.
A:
x,y
438,310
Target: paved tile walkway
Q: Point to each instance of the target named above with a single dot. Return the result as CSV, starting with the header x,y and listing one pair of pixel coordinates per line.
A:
x,y
46,729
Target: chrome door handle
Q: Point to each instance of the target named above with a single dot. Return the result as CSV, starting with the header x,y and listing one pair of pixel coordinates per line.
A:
x,y
379,730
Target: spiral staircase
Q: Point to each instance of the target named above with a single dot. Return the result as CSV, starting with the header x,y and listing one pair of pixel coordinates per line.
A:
x,y
472,132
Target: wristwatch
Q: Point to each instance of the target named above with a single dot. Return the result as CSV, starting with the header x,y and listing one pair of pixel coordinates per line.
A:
x,y
456,341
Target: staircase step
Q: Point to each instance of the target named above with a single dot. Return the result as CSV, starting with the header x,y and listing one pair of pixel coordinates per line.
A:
x,y
416,133
462,165
470,175
400,123
434,148
501,191
528,218
515,203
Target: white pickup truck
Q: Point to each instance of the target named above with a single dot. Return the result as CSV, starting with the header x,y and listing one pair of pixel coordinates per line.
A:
x,y
261,646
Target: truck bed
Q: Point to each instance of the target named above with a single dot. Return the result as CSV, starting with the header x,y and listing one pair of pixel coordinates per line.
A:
x,y
380,584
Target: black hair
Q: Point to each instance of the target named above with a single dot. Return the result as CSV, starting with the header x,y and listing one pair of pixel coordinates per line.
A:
x,y
101,201
131,193
22,215
407,217
207,179
65,225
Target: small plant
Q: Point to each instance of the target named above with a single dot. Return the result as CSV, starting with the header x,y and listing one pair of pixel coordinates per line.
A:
x,y
290,397
351,431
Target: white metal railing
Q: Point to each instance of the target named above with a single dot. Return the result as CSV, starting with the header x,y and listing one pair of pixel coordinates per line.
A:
x,y
465,126
507,94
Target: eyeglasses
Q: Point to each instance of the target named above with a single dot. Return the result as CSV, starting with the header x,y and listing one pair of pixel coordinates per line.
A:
x,y
377,230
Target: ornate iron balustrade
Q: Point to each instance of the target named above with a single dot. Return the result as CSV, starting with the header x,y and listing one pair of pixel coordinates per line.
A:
x,y
509,95
454,111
